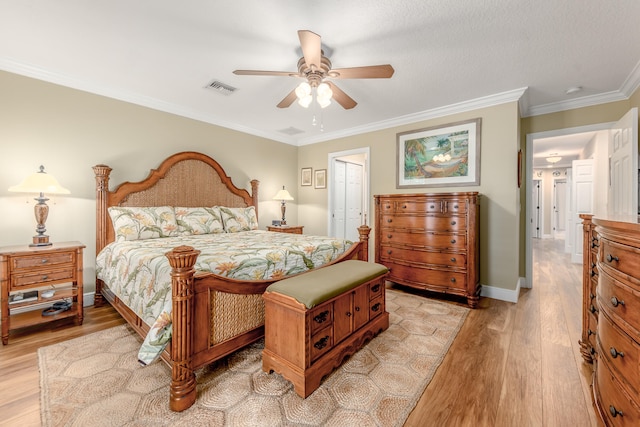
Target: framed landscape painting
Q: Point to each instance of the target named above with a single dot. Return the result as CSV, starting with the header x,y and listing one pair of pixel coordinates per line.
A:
x,y
439,156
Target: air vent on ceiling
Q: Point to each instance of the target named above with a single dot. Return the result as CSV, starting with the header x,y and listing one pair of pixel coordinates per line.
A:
x,y
220,87
291,131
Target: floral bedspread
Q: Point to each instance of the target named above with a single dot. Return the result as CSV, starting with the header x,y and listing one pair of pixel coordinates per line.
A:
x,y
138,271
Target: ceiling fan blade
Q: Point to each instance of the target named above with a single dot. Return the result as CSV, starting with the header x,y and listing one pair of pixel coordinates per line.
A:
x,y
288,100
265,73
371,72
342,98
311,48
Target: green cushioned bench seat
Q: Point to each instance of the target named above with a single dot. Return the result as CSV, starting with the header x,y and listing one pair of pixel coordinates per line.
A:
x,y
320,285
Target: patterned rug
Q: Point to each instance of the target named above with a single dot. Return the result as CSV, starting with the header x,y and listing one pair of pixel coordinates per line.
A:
x,y
96,380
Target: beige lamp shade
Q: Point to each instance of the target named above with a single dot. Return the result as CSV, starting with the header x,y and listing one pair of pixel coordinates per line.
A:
x,y
40,182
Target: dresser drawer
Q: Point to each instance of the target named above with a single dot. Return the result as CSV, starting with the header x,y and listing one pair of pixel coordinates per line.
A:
x,y
426,222
620,351
620,303
615,406
430,277
44,260
376,307
42,278
376,289
321,342
424,239
423,257
623,258
321,317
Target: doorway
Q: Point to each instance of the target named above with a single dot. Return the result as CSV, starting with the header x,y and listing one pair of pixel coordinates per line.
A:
x,y
348,185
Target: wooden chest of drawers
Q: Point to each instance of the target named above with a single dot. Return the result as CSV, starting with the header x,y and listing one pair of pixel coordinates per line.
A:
x,y
590,244
430,241
617,362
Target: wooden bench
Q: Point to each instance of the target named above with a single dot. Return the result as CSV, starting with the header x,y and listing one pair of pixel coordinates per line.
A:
x,y
317,319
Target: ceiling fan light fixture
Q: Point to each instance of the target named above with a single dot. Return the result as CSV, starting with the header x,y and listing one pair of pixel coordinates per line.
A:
x,y
305,101
324,102
553,159
303,90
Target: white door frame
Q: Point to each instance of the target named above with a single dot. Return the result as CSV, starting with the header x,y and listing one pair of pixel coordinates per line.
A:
x,y
365,182
530,138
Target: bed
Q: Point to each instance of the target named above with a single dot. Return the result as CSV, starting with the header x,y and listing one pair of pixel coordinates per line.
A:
x,y
212,315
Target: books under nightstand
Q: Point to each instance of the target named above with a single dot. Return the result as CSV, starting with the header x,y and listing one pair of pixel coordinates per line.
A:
x,y
40,284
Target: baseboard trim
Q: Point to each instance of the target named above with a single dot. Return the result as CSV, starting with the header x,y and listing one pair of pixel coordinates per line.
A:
x,y
509,295
88,299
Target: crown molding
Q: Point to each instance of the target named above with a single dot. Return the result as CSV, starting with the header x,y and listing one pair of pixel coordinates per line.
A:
x,y
461,107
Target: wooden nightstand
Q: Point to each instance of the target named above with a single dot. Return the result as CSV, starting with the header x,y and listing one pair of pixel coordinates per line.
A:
x,y
27,277
293,229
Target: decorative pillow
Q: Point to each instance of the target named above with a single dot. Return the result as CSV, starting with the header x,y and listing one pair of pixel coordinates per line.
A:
x,y
239,219
143,223
199,220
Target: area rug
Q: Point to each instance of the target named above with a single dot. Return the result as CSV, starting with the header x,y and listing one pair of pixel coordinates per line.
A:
x,y
96,380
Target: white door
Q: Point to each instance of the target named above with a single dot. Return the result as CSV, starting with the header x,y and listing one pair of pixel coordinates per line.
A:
x,y
347,200
623,166
581,201
353,205
559,207
536,209
339,199
569,216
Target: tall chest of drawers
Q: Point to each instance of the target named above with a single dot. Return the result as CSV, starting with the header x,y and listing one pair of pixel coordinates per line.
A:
x,y
617,364
590,245
430,241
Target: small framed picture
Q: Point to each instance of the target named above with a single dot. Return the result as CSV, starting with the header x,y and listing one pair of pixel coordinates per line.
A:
x,y
321,178
305,176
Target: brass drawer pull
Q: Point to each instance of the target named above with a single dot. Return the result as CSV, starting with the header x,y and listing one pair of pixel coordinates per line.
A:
x,y
389,220
453,259
612,258
322,343
322,317
375,307
348,314
590,332
615,353
453,280
375,288
45,277
614,411
389,252
453,223
453,241
592,309
44,260
404,207
388,236
615,301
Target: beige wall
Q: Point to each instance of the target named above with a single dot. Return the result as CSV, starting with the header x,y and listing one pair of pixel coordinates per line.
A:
x,y
498,185
69,131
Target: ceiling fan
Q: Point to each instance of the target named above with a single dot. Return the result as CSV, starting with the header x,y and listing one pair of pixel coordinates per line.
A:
x,y
316,69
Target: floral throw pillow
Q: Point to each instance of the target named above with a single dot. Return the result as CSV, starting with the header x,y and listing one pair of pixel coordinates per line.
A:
x,y
143,223
239,219
199,220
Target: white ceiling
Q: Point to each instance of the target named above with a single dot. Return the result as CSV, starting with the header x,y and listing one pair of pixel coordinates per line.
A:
x,y
448,55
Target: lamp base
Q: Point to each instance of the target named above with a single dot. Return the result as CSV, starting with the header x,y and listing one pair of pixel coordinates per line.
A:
x,y
40,240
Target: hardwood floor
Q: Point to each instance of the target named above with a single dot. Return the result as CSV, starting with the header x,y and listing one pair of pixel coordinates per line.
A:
x,y
517,364
510,365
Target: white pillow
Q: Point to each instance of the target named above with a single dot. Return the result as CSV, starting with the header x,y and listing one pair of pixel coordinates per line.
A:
x,y
140,223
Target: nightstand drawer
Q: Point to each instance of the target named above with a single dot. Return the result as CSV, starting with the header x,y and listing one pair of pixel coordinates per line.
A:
x,y
35,261
41,278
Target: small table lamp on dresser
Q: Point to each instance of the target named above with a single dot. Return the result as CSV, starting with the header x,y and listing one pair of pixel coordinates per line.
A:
x,y
40,182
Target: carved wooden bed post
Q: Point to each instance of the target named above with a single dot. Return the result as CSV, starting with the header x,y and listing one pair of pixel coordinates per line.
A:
x,y
364,231
183,379
102,188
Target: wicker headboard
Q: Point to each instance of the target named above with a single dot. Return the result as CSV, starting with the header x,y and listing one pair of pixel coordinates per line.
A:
x,y
188,179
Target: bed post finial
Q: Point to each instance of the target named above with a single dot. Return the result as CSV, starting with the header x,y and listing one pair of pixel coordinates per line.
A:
x,y
183,379
102,218
364,231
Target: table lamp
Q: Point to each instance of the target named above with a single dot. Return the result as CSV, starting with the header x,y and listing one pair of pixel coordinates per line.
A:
x,y
40,182
283,195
